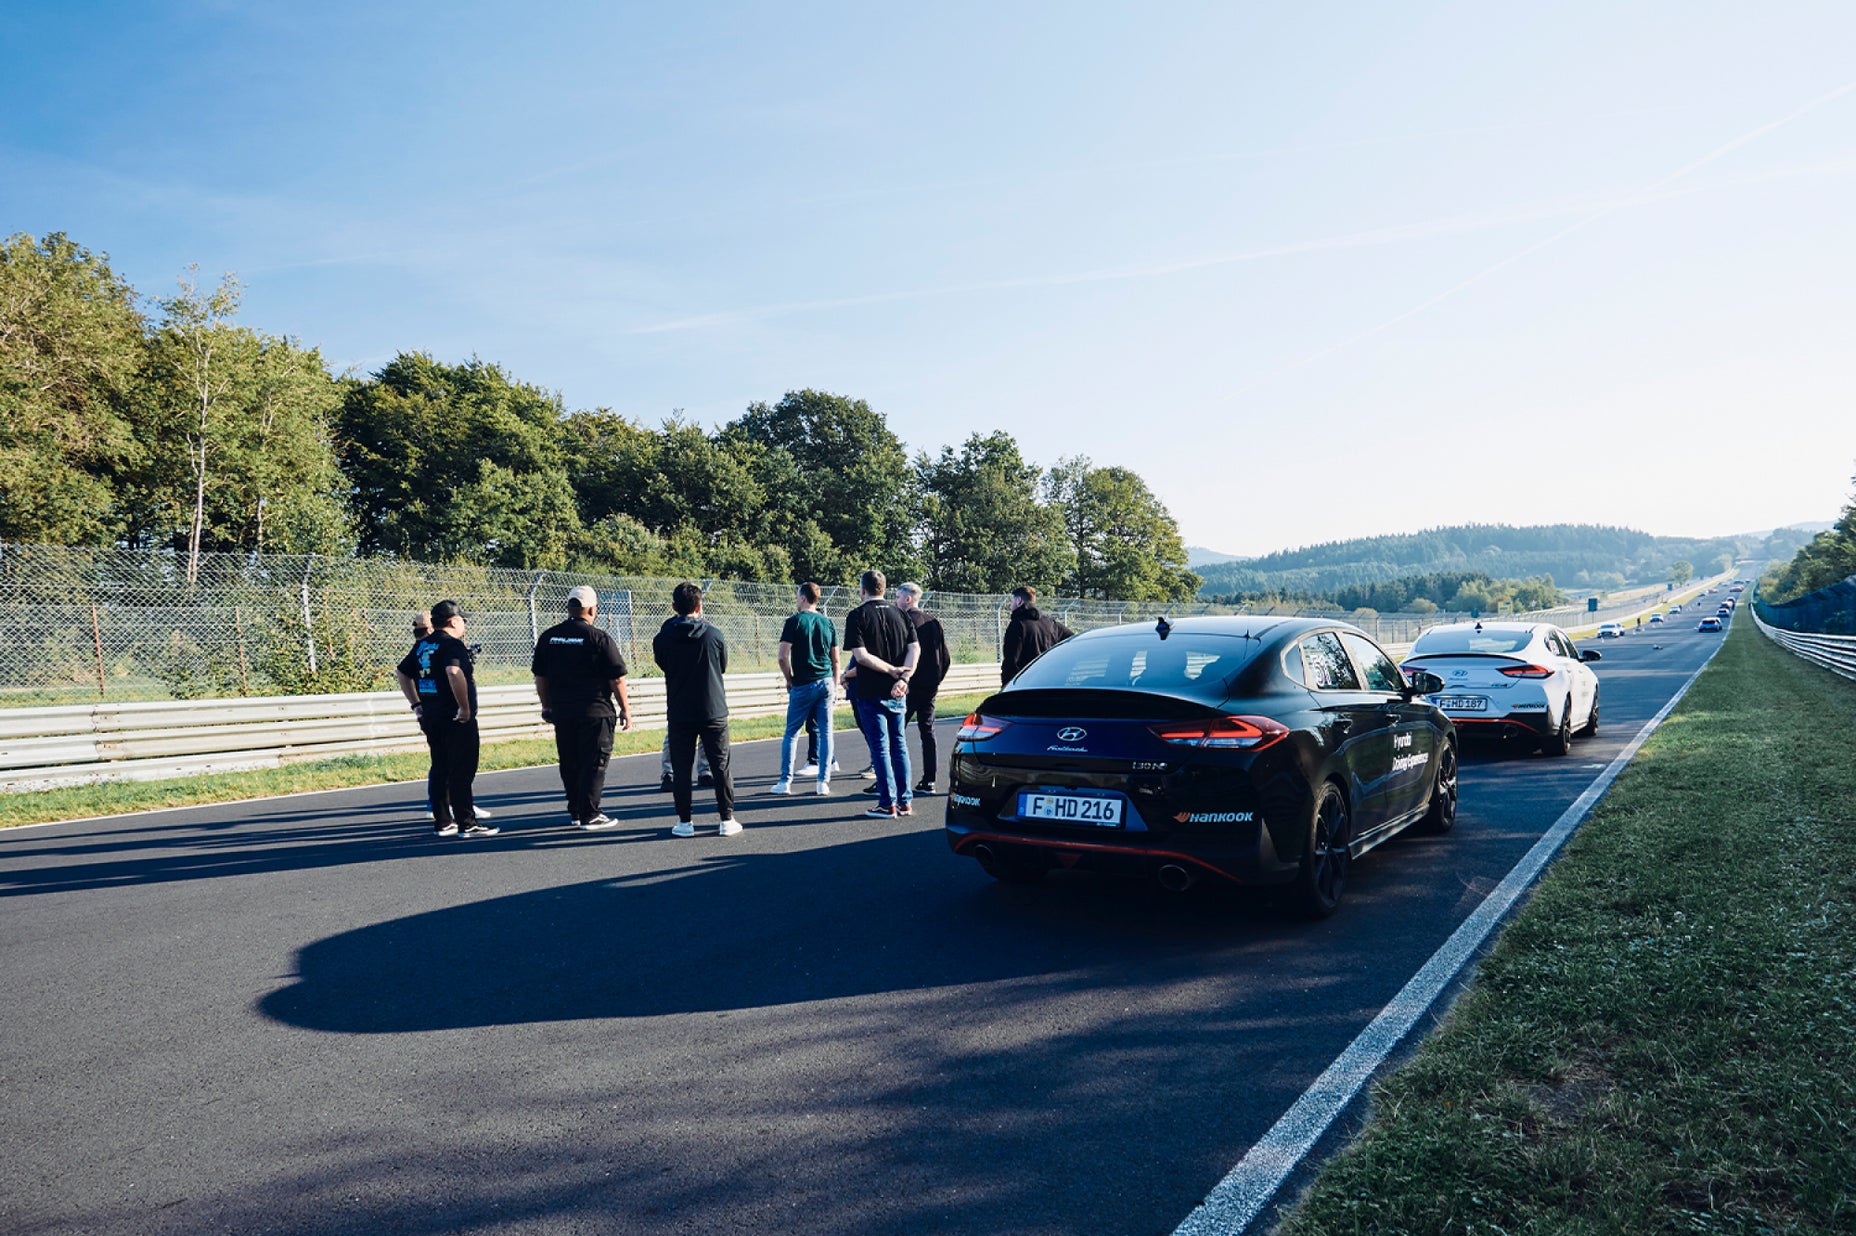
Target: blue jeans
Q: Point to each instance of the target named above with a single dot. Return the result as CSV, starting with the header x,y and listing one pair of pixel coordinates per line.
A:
x,y
881,722
807,701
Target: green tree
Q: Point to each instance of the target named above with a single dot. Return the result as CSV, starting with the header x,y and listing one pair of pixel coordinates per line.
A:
x,y
1681,571
71,346
1126,544
849,478
457,461
1829,558
237,450
983,527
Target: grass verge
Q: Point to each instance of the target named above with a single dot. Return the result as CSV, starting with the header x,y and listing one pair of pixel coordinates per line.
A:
x,y
1662,1039
123,797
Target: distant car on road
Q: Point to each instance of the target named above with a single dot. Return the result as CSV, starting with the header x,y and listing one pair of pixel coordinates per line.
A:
x,y
1257,750
1611,630
1512,678
1708,624
1656,618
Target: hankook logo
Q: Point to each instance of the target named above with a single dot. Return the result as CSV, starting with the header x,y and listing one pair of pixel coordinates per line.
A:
x,y
1072,733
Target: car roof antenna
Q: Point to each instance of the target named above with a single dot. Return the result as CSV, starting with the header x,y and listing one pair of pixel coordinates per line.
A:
x,y
1163,627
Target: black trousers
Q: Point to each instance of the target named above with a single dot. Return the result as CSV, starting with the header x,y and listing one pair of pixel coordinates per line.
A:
x,y
921,711
454,747
584,745
713,735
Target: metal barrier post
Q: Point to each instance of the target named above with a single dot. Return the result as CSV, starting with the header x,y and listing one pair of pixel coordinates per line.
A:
x,y
309,625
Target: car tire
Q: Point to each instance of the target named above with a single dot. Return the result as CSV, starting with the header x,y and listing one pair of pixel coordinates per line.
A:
x,y
1321,877
1560,741
1591,721
1441,817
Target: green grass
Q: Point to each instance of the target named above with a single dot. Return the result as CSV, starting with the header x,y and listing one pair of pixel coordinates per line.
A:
x,y
119,798
1664,1039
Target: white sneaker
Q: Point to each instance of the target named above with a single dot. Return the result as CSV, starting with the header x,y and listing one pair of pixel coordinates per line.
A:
x,y
780,787
810,770
598,822
482,813
730,827
824,787
683,829
834,767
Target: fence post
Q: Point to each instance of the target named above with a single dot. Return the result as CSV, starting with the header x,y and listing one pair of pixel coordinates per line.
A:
x,y
309,628
96,637
244,671
998,635
534,623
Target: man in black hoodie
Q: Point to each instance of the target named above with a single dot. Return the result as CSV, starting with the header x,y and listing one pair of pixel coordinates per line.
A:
x,y
1029,635
694,656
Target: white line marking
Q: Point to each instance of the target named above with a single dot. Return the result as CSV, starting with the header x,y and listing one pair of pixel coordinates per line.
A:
x,y
1241,1196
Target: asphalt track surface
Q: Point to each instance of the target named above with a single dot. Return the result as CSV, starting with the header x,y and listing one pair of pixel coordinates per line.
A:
x,y
310,1015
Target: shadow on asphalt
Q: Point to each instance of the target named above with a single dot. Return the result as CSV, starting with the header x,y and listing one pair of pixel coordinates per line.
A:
x,y
734,931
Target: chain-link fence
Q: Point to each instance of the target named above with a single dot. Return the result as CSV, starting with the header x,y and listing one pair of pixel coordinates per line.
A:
x,y
81,624
1828,611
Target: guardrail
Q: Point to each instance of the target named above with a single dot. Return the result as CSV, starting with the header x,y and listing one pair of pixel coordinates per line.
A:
x,y
1836,653
43,748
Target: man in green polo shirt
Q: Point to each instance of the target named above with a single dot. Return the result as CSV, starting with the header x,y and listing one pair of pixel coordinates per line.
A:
x,y
809,662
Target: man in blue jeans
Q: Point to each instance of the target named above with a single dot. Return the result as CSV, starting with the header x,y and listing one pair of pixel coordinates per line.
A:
x,y
809,662
883,649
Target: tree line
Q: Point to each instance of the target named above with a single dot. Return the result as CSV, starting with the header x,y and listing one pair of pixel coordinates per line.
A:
x,y
170,424
1829,558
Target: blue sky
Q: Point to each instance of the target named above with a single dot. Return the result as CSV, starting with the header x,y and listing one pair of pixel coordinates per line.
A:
x,y
1315,271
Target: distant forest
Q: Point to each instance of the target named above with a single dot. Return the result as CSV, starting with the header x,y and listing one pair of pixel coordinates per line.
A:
x,y
1389,572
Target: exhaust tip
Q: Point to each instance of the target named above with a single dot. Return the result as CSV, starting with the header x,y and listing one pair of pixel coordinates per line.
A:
x,y
1176,879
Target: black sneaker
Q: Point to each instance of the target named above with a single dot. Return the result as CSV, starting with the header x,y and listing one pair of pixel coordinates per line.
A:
x,y
598,822
481,830
925,787
705,780
447,830
663,785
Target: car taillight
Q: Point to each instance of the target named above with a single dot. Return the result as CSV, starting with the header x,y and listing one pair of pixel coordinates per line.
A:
x,y
1528,671
1248,733
977,728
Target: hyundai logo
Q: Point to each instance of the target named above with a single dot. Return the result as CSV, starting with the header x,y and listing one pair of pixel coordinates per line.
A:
x,y
1072,733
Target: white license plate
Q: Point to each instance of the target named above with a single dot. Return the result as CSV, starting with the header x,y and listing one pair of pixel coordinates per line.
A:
x,y
1071,809
1462,703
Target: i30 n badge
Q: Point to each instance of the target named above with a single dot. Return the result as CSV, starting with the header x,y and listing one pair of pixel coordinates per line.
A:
x,y
1247,749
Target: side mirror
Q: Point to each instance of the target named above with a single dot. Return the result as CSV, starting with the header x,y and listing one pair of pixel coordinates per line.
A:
x,y
1423,682
1591,654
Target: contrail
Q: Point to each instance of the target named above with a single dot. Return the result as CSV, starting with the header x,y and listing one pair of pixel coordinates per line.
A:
x,y
1658,189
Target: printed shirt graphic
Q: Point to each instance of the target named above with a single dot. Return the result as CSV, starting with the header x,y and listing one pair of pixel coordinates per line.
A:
x,y
426,663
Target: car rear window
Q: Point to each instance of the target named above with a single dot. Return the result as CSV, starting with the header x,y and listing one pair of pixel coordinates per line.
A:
x,y
1436,642
1192,664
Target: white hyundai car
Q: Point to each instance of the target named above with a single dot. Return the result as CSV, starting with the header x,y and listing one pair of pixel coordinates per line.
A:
x,y
1511,678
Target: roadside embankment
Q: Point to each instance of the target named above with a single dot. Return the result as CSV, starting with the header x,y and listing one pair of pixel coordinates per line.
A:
x,y
1662,1038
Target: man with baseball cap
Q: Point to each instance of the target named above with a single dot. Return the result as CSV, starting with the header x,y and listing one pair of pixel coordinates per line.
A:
x,y
436,676
578,671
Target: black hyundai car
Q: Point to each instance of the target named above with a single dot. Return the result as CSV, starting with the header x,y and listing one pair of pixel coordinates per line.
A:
x,y
1254,750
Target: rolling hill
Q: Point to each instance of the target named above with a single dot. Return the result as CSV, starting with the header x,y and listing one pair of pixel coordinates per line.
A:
x,y
1577,556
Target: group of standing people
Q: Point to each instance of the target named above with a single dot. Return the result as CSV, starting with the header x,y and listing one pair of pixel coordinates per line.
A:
x,y
894,656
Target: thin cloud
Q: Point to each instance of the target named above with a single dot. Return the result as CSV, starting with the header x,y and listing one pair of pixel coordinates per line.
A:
x,y
1582,212
1664,187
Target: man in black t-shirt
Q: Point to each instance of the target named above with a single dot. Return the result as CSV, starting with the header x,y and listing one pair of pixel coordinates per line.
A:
x,y
436,677
578,671
883,649
930,668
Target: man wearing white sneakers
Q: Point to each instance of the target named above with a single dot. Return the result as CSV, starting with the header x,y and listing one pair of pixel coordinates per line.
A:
x,y
694,656
809,662
579,671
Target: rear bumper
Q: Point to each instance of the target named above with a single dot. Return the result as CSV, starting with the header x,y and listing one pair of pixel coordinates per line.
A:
x,y
1246,856
1529,724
